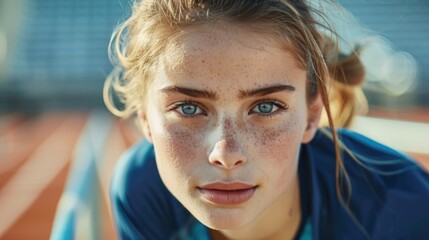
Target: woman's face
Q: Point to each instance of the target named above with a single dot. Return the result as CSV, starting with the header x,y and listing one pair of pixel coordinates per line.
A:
x,y
227,112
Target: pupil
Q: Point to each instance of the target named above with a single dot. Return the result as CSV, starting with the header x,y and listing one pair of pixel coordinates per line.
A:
x,y
189,109
265,108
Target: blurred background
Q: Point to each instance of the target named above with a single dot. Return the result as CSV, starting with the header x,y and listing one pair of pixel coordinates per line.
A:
x,y
58,143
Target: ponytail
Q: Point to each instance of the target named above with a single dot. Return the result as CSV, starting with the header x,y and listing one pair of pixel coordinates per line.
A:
x,y
347,74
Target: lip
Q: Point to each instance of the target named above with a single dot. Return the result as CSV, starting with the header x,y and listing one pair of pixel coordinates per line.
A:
x,y
227,193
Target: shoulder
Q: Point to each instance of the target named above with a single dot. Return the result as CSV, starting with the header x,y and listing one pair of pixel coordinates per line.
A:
x,y
355,142
129,170
360,151
389,190
142,206
369,160
366,159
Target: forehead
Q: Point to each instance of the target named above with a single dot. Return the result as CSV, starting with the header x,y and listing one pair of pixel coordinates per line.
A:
x,y
208,39
212,55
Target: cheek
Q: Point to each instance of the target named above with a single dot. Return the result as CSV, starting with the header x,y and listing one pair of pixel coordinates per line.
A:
x,y
278,149
281,142
176,146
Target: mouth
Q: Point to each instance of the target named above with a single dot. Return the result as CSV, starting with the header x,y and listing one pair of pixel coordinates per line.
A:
x,y
227,194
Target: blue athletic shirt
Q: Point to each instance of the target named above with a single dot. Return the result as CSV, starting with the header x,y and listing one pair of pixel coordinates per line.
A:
x,y
390,195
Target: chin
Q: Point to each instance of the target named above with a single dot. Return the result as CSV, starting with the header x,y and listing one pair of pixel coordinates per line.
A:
x,y
224,219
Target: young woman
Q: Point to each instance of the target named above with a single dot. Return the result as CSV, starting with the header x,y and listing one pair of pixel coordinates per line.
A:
x,y
229,96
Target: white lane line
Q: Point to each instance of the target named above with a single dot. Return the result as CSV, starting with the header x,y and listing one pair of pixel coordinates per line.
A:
x,y
17,144
36,174
115,147
402,135
78,210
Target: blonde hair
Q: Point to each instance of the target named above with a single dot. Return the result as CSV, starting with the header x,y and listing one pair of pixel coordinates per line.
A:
x,y
138,42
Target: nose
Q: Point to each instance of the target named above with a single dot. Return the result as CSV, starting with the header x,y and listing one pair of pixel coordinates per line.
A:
x,y
227,152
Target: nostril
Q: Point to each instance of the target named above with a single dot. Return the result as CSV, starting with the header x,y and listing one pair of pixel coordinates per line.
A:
x,y
238,163
218,163
228,165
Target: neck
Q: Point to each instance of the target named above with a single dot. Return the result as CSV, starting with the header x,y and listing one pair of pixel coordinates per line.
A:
x,y
280,221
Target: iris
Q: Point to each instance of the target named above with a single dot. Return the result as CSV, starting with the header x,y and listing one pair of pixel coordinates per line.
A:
x,y
265,107
189,109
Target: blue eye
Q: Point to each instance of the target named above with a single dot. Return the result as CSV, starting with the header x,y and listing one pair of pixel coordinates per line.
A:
x,y
189,109
268,108
265,107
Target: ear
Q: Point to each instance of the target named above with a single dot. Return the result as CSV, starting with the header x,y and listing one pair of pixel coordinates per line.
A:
x,y
144,124
314,111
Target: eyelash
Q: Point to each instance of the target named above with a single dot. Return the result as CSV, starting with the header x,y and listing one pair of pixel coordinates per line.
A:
x,y
175,106
282,107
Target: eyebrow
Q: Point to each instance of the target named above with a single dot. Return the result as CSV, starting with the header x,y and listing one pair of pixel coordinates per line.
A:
x,y
191,92
243,93
265,91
